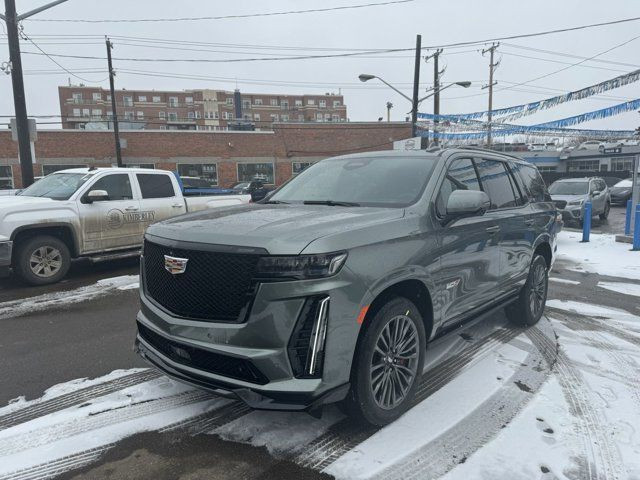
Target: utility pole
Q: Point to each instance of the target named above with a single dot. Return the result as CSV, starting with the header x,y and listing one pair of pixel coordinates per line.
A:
x,y
12,19
389,107
436,90
416,86
114,114
492,67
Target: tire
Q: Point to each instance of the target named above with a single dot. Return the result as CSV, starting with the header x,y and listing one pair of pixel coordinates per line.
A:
x,y
604,215
54,264
367,400
529,307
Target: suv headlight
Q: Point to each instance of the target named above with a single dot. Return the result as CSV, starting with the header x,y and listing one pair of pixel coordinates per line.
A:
x,y
576,202
301,266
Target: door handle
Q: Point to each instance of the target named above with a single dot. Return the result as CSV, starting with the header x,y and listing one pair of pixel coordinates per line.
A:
x,y
492,230
529,222
177,205
131,209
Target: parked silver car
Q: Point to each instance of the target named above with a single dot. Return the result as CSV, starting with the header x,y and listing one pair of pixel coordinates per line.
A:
x,y
570,196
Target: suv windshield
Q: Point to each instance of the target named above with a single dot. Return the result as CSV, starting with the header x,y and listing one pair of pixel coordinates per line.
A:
x,y
569,188
57,186
366,181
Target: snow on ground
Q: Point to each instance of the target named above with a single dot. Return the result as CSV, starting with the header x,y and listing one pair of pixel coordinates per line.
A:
x,y
602,255
15,308
620,287
564,280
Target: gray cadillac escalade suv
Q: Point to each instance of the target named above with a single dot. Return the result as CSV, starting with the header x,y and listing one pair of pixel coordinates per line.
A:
x,y
332,288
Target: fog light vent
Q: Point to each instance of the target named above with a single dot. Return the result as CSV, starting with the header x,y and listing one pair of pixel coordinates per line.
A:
x,y
306,346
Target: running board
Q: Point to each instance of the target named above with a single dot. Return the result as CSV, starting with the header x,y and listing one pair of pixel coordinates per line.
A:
x,y
114,256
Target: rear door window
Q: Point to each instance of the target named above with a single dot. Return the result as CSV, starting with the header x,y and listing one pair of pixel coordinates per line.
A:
x,y
535,187
155,186
496,182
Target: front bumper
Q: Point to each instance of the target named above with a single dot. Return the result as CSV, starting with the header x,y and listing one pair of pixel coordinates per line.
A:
x,y
262,342
572,214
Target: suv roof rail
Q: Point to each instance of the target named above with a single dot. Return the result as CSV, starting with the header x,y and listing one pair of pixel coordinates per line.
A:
x,y
488,150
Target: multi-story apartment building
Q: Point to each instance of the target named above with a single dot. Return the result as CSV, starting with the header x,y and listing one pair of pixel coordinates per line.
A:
x,y
84,107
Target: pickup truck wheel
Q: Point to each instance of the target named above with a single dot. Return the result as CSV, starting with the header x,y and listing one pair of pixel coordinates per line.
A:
x,y
528,309
389,364
604,215
43,260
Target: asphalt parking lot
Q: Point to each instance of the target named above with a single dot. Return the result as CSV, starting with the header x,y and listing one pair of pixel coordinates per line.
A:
x,y
149,427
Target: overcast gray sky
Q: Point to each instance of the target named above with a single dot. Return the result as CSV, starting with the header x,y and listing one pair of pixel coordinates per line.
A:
x,y
393,26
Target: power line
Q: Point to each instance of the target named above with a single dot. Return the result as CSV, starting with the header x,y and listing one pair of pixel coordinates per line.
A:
x,y
227,17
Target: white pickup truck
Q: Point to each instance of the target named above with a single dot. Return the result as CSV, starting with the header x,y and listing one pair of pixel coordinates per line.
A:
x,y
97,213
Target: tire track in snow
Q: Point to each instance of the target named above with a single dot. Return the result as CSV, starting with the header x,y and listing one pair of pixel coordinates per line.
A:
x,y
601,459
346,435
482,424
211,419
38,437
66,400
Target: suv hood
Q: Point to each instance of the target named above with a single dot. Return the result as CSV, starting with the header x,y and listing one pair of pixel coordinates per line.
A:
x,y
9,201
280,229
569,198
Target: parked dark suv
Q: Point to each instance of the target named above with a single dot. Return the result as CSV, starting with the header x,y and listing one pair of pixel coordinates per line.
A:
x,y
332,289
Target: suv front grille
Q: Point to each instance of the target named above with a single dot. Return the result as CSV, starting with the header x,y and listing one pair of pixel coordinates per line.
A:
x,y
216,363
215,286
560,204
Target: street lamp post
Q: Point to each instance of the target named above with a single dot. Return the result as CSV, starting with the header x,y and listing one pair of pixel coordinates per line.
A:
x,y
415,102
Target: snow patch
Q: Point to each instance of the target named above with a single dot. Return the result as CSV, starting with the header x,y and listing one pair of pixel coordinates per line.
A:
x,y
624,288
564,280
47,301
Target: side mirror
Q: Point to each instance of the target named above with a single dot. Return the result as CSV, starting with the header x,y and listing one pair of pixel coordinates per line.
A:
x,y
467,203
595,193
96,196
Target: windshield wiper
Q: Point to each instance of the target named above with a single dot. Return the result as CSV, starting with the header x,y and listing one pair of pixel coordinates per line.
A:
x,y
331,203
276,202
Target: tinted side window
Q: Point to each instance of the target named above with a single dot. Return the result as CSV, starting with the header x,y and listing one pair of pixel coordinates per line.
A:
x,y
155,186
117,186
496,183
460,176
533,182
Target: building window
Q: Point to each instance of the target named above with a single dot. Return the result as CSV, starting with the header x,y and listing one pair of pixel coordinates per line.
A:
x,y
257,101
336,103
77,97
246,104
197,112
311,101
327,117
6,177
96,113
49,169
156,99
97,96
85,112
285,118
173,101
142,98
128,101
323,104
319,117
229,100
128,115
198,175
256,117
76,112
622,163
335,118
301,118
140,115
584,165
298,103
173,116
274,102
108,98
297,167
161,115
190,115
188,99
284,104
274,117
109,114
216,115
163,127
248,172
546,168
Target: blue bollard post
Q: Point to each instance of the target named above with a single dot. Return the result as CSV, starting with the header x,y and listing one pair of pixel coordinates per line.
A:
x,y
586,222
636,229
627,221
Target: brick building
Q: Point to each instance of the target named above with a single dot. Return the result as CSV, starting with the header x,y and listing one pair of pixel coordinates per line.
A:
x,y
84,107
222,157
